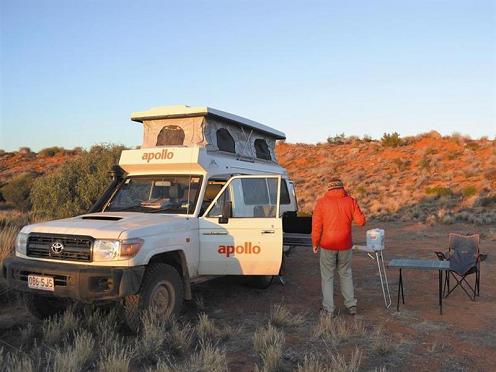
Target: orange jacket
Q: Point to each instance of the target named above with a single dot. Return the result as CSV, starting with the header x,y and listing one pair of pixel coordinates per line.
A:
x,y
332,218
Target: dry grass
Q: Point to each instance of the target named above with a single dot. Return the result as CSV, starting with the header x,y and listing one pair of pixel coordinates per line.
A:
x,y
340,364
152,337
115,359
207,330
179,338
16,363
210,358
280,316
75,357
382,344
268,343
56,329
7,239
337,330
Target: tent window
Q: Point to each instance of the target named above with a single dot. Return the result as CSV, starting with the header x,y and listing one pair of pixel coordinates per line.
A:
x,y
170,135
262,149
225,142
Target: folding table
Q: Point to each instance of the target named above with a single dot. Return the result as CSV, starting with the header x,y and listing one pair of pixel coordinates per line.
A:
x,y
406,263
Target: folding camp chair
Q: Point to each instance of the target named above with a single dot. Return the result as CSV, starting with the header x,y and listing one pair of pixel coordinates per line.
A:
x,y
464,258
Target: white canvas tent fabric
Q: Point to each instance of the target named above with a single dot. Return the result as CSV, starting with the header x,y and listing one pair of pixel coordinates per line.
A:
x,y
202,131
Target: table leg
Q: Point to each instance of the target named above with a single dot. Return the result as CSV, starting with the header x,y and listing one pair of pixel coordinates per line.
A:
x,y
441,292
400,289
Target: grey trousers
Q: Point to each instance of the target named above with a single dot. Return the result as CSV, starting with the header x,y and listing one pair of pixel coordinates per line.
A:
x,y
340,261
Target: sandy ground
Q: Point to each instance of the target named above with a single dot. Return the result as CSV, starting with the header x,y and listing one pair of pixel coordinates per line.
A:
x,y
463,338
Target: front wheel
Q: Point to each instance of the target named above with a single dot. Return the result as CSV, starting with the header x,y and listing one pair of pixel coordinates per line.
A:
x,y
161,292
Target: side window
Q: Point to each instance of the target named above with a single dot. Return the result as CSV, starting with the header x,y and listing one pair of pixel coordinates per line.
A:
x,y
285,199
225,142
248,198
262,149
170,135
213,188
218,207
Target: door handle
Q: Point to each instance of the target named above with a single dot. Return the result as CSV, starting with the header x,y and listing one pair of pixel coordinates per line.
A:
x,y
268,232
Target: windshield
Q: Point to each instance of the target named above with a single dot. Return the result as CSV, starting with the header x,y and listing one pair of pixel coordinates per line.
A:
x,y
157,194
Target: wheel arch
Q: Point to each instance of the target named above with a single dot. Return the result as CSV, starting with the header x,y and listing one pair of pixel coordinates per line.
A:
x,y
177,260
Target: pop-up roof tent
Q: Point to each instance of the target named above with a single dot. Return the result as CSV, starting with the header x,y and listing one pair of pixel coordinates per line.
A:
x,y
204,126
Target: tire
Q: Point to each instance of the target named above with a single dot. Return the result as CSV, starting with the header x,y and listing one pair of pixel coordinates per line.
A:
x,y
260,281
44,307
161,291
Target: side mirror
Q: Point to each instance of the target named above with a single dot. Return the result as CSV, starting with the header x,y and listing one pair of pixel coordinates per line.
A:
x,y
226,212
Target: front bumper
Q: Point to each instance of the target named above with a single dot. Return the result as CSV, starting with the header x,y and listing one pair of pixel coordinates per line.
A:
x,y
80,282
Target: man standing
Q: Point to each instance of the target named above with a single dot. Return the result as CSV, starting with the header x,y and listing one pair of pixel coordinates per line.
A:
x,y
331,233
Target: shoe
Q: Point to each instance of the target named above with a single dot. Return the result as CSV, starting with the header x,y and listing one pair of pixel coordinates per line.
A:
x,y
352,310
325,312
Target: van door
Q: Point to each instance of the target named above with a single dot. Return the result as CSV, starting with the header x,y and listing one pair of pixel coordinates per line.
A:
x,y
241,231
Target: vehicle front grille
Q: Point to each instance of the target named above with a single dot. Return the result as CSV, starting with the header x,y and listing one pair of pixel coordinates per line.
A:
x,y
75,247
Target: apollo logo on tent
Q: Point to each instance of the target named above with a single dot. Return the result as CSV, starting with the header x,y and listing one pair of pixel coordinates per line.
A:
x,y
231,250
159,155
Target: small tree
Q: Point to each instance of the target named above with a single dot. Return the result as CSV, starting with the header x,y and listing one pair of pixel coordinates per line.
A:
x,y
75,186
17,191
391,140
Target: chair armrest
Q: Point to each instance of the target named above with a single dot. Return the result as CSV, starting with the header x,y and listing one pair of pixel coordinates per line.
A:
x,y
440,255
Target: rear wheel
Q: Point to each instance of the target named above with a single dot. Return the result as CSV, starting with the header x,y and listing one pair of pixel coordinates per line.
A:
x,y
260,281
161,292
44,307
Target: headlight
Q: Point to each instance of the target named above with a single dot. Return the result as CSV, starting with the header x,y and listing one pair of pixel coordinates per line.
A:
x,y
108,250
21,242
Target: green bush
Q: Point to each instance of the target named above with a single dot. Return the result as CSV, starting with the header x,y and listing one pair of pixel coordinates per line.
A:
x,y
50,151
76,185
338,139
17,191
391,140
439,191
469,191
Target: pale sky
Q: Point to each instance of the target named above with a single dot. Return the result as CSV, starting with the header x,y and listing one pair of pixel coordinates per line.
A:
x,y
73,71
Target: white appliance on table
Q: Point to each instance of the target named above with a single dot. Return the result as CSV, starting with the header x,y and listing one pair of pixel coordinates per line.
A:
x,y
374,247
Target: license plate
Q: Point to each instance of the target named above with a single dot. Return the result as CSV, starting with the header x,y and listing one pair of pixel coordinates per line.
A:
x,y
44,283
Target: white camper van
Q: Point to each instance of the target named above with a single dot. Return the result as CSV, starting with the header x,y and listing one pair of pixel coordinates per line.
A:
x,y
204,196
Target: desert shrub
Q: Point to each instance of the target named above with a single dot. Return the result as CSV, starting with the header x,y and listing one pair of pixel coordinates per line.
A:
x,y
424,163
337,330
472,145
338,139
17,191
7,239
76,185
401,164
179,338
280,316
24,150
366,138
438,191
152,337
116,359
210,358
469,191
75,357
454,154
361,190
58,327
268,343
207,330
391,140
50,151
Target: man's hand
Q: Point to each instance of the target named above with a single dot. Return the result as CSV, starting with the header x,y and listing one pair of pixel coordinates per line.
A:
x,y
315,249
